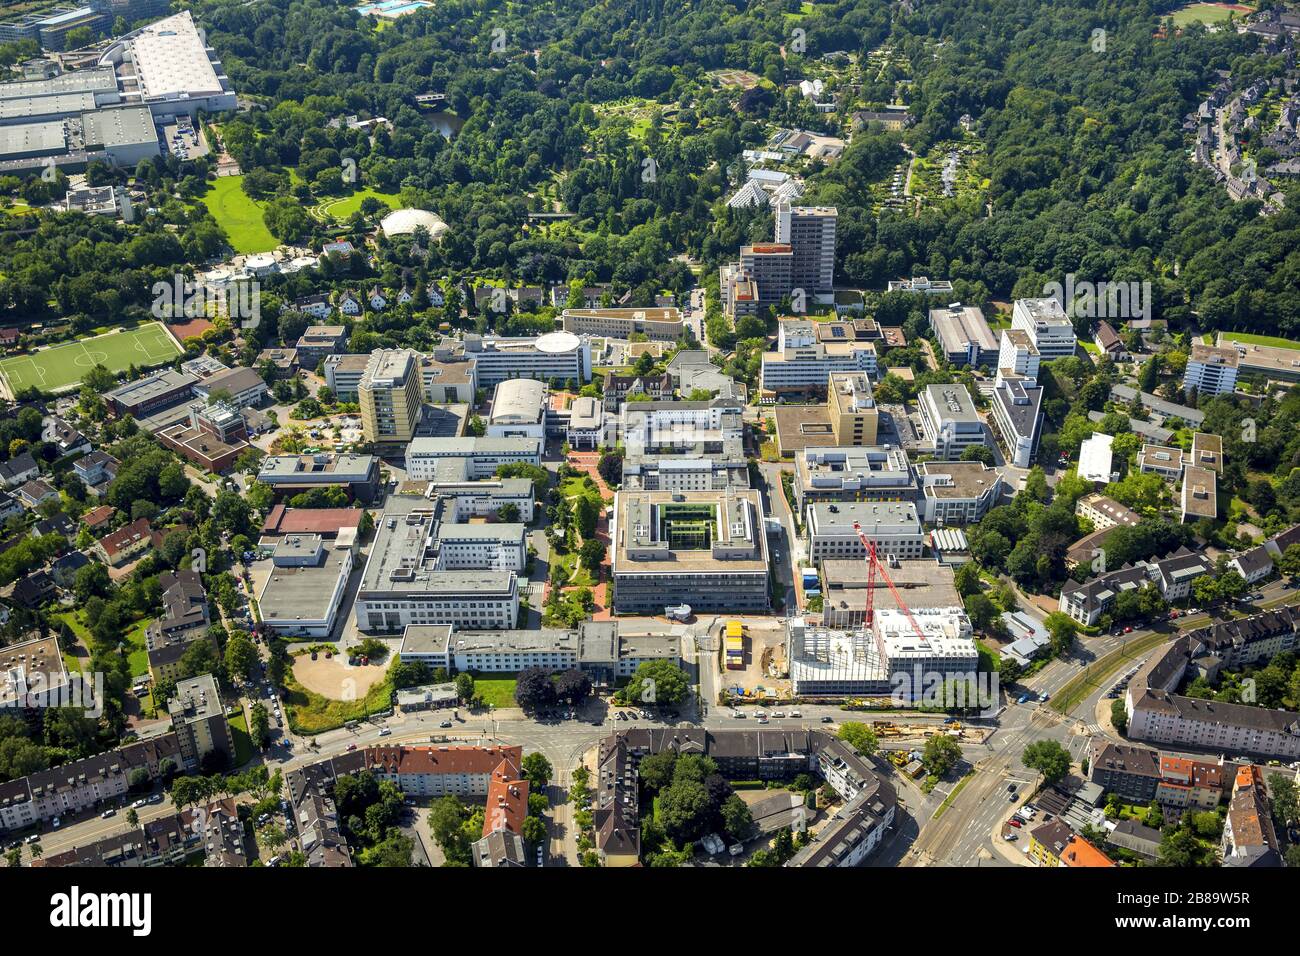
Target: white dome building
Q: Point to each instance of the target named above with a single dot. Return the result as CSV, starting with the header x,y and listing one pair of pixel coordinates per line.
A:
x,y
404,222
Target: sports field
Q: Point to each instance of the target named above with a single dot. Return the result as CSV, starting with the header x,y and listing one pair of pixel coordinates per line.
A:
x,y
239,216
62,366
1209,13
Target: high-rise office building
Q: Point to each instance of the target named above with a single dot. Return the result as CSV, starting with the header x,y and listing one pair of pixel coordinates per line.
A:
x,y
390,395
810,232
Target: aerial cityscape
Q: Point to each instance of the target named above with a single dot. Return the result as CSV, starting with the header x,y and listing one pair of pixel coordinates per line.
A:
x,y
692,434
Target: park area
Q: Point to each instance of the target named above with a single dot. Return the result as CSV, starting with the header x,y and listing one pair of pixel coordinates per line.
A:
x,y
62,366
239,215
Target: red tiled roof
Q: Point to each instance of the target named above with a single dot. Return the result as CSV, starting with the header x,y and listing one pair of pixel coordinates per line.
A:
x,y
124,537
399,759
1079,852
97,516
507,800
284,520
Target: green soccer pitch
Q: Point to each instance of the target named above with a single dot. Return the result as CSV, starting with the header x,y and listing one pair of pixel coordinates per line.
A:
x,y
62,366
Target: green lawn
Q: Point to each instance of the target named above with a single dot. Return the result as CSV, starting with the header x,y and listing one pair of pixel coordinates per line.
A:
x,y
239,215
1207,13
241,738
495,689
311,713
1273,341
136,655
343,207
61,366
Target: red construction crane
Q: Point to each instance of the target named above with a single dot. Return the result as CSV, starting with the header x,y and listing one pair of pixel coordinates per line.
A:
x,y
873,564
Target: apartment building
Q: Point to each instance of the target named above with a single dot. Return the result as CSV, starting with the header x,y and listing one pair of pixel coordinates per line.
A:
x,y
199,720
1211,370
894,527
1047,325
1158,714
949,421
318,342
1105,512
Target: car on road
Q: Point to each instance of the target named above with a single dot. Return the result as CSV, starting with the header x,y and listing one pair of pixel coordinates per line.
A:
x,y
156,798
828,720
386,732
739,715
34,838
1023,699
779,715
1128,630
139,803
110,812
445,724
762,720
352,746
1044,696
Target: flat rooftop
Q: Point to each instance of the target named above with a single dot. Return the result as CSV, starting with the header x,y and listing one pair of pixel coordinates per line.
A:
x,y
708,531
171,59
302,593
956,479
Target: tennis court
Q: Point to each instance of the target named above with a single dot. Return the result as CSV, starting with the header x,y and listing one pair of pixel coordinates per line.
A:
x,y
62,366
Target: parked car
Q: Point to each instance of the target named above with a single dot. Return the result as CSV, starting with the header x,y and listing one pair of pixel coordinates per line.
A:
x,y
110,812
1016,823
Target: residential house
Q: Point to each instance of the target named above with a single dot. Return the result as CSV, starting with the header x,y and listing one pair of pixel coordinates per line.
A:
x,y
18,470
126,543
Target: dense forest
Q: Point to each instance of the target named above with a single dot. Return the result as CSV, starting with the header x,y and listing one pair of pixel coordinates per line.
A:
x,y
1087,164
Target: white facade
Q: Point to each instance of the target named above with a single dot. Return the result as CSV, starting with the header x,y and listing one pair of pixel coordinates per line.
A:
x,y
484,455
949,420
1047,325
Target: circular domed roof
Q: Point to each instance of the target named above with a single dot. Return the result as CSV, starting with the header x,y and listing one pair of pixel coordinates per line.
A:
x,y
554,342
403,222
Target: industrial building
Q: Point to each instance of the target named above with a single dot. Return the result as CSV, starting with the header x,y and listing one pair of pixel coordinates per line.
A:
x,y
109,112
